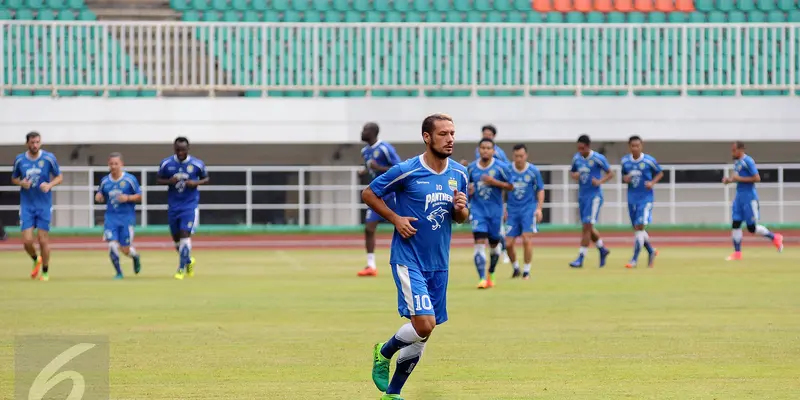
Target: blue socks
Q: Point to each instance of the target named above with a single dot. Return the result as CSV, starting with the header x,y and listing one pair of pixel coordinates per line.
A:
x,y
406,361
185,251
480,260
113,254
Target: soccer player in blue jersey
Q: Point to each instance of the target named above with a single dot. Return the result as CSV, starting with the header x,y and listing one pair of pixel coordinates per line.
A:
x,y
524,208
745,205
641,172
120,191
591,170
488,179
184,174
378,157
430,196
37,173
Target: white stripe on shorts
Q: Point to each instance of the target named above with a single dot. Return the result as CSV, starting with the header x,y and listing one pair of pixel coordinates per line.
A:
x,y
405,286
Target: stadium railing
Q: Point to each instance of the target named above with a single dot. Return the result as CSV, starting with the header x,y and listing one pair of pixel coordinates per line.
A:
x,y
320,198
388,59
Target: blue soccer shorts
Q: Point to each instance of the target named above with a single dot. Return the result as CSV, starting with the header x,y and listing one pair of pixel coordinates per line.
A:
x,y
372,216
589,208
519,222
183,220
641,213
122,234
493,226
35,218
746,209
421,292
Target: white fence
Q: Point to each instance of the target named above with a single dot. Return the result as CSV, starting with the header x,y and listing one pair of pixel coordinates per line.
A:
x,y
325,195
369,57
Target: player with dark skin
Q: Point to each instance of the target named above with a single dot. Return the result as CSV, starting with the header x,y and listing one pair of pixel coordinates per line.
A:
x,y
636,147
181,152
369,135
589,232
439,147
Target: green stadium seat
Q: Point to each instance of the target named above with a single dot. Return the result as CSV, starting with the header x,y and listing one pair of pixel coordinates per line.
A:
x,y
595,17
725,5
402,6
737,17
656,17
86,15
516,17
616,17
746,5
697,17
191,16
281,5
76,4
46,15
716,17
231,16
766,5
211,16
495,17
636,17
704,5
56,4
677,17
5,15
787,5
353,16
794,16
441,5
373,16
503,5
776,16
34,4
575,18
25,14
756,17
422,5
219,5
482,5
301,5
554,17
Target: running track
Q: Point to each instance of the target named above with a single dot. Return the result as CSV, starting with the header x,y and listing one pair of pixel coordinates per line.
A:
x,y
350,241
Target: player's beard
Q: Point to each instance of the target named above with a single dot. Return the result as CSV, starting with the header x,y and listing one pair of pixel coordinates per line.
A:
x,y
438,154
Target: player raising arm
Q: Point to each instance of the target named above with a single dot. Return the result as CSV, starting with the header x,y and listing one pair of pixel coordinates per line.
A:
x,y
36,172
745,205
524,208
591,170
641,172
430,195
488,179
378,157
184,174
120,191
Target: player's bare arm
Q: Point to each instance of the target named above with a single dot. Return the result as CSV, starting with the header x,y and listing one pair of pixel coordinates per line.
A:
x,y
24,183
403,224
745,179
607,176
193,184
45,187
575,175
129,198
460,210
655,180
496,183
167,181
99,198
539,202
378,168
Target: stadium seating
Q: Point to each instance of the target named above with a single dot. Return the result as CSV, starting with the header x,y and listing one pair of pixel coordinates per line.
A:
x,y
604,57
29,50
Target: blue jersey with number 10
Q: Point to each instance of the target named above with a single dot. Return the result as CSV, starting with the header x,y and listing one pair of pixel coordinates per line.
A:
x,y
426,195
641,170
119,214
179,196
591,167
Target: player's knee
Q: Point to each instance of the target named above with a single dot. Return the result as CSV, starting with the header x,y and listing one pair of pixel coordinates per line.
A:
x,y
751,228
480,237
639,227
370,229
185,234
424,327
494,242
736,224
125,250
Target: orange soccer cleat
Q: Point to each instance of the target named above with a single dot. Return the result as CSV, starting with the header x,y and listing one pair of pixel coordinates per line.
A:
x,y
736,256
778,242
367,271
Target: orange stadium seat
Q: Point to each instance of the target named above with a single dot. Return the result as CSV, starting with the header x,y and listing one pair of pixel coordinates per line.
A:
x,y
562,5
542,5
665,5
684,5
623,5
643,5
583,5
605,6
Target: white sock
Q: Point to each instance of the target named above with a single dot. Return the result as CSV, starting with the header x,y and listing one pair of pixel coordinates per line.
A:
x,y
646,236
407,334
516,265
583,250
762,230
480,250
410,351
132,252
736,235
497,250
527,267
185,242
371,260
599,243
114,248
640,238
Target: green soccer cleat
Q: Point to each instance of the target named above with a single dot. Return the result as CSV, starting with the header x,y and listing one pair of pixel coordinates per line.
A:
x,y
391,397
137,265
190,268
380,368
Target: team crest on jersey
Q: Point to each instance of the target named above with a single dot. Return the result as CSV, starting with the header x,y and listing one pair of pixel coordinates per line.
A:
x,y
641,165
122,184
189,168
492,173
41,164
527,178
376,153
591,163
452,183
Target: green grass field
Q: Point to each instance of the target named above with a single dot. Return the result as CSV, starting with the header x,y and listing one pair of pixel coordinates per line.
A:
x,y
298,324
